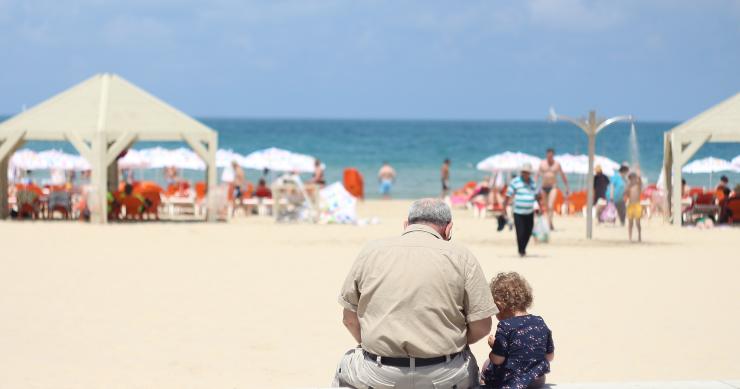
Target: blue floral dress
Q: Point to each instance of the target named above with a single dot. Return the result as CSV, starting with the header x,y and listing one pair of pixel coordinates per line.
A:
x,y
523,341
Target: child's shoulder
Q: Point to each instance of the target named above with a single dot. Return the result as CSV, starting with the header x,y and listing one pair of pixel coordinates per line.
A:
x,y
518,321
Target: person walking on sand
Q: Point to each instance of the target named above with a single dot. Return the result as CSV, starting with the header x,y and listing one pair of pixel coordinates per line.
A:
x,y
634,208
414,303
386,178
601,184
549,170
616,192
523,190
445,175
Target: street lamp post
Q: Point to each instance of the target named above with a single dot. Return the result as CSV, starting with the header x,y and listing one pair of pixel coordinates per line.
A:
x,y
591,126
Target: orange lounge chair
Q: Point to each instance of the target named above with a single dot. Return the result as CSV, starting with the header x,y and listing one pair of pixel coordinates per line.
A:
x,y
577,202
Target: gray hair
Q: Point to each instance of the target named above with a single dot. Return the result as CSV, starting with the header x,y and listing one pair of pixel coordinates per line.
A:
x,y
430,211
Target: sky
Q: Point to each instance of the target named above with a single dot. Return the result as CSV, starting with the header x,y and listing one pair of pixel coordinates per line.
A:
x,y
659,60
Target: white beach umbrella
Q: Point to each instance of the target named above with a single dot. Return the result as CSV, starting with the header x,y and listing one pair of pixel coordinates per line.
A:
x,y
49,159
27,160
708,165
279,160
134,159
181,158
57,159
507,161
224,158
578,164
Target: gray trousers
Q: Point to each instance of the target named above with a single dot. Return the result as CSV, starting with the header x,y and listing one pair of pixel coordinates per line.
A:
x,y
621,210
357,371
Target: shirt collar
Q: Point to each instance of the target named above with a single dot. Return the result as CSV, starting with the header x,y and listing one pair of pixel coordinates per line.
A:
x,y
421,228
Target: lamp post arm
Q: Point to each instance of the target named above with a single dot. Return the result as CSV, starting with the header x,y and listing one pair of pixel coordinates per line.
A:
x,y
579,123
610,121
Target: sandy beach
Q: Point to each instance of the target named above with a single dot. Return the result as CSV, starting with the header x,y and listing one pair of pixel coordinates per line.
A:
x,y
252,304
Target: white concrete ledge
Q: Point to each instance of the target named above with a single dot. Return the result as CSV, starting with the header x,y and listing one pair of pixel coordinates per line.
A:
x,y
718,384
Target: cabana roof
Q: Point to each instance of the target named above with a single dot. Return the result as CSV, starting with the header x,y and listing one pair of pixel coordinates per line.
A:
x,y
103,116
107,103
720,123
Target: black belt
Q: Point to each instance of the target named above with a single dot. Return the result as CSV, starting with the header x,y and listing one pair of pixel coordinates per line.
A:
x,y
406,362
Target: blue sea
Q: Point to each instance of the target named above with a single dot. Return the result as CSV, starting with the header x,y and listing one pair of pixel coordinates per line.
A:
x,y
416,148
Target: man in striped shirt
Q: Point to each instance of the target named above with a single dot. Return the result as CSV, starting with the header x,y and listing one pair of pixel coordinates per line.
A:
x,y
524,192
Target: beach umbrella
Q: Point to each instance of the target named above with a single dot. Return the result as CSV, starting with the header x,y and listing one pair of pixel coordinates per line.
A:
x,y
27,160
709,165
181,158
224,158
279,160
59,160
134,159
507,161
47,160
578,164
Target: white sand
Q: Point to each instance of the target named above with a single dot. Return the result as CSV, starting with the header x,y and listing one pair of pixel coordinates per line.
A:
x,y
252,304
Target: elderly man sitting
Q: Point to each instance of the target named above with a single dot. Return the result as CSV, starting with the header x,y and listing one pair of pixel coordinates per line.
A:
x,y
414,303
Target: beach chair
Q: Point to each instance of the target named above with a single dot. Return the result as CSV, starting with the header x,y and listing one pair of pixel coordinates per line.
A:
x,y
292,202
577,202
60,201
179,199
152,202
731,210
201,190
704,204
265,206
28,203
132,206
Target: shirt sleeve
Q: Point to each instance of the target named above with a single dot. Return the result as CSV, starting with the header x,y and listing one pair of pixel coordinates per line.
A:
x,y
478,299
550,348
349,296
500,344
510,190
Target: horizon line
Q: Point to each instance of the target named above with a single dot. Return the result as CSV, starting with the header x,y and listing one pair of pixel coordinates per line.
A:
x,y
4,117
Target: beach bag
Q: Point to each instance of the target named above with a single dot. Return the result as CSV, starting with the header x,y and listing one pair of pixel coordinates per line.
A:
x,y
541,230
609,213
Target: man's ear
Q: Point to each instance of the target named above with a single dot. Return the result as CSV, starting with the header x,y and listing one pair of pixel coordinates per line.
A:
x,y
405,224
448,231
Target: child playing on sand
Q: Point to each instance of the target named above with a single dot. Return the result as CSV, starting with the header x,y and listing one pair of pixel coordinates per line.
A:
x,y
634,208
522,348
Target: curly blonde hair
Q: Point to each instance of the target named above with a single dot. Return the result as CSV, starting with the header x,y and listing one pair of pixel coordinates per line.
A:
x,y
511,291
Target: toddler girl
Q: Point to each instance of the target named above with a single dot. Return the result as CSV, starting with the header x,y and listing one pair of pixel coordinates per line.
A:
x,y
522,348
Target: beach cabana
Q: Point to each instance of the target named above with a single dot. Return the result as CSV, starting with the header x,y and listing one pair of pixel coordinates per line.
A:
x,y
103,116
720,123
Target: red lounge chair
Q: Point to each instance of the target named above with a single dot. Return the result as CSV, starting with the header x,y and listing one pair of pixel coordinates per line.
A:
x,y
704,205
732,207
132,205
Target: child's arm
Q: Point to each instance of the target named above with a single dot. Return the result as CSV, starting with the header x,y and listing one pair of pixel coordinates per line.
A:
x,y
550,348
496,359
498,345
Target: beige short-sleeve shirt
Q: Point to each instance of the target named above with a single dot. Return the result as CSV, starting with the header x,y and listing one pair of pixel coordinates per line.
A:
x,y
415,294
